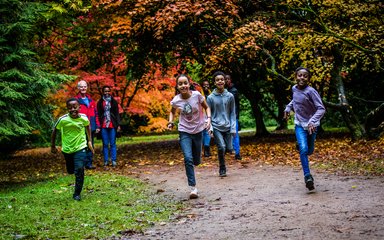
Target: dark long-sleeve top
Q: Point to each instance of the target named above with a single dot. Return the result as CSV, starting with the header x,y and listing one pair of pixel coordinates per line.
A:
x,y
235,94
115,117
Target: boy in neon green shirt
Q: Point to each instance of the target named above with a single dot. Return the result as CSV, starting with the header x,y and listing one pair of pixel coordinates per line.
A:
x,y
74,142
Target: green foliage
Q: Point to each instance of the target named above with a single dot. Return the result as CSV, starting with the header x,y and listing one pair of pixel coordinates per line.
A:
x,y
194,71
246,119
110,204
24,83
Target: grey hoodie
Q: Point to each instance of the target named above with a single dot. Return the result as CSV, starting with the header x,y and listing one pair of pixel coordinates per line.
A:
x,y
222,107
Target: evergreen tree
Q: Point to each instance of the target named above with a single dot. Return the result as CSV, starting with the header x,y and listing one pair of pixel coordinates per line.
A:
x,y
24,83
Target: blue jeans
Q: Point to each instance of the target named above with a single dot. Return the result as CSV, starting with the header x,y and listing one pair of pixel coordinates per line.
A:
x,y
191,147
75,165
108,136
236,139
223,142
206,138
306,144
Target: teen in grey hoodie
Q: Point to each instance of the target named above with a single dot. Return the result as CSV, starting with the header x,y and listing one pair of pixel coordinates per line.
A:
x,y
223,121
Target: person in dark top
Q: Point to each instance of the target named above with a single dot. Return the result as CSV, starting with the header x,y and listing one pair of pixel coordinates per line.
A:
x,y
206,136
236,139
108,114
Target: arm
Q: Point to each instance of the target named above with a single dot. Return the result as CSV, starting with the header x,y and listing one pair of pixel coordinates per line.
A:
x,y
117,115
171,117
208,112
53,141
209,104
98,120
320,110
88,130
233,116
287,110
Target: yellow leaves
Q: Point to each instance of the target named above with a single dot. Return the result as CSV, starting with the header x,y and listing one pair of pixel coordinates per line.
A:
x,y
246,41
120,26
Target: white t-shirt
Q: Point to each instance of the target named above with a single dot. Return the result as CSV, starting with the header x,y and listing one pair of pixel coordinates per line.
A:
x,y
191,118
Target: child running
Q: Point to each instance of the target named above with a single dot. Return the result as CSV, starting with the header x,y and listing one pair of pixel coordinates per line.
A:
x,y
74,142
309,109
222,105
191,125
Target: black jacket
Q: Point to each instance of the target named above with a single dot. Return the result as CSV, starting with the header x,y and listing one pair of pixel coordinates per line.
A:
x,y
115,117
235,94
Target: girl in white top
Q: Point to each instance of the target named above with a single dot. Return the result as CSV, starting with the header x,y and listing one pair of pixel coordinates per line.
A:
x,y
191,125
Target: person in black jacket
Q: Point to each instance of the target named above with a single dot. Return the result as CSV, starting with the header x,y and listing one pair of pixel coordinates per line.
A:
x,y
108,113
236,139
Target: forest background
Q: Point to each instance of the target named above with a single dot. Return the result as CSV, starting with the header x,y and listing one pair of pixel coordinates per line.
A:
x,y
138,47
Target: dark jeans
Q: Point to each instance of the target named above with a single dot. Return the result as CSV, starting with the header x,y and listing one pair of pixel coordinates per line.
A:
x,y
191,147
223,141
75,165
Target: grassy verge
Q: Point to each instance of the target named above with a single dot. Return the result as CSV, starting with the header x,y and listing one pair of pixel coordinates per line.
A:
x,y
111,205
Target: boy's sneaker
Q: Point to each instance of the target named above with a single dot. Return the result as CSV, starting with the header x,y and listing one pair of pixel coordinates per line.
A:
x,y
222,173
105,164
114,164
77,198
237,157
309,182
194,193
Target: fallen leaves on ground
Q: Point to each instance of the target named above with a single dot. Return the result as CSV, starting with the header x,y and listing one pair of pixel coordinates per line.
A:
x,y
334,153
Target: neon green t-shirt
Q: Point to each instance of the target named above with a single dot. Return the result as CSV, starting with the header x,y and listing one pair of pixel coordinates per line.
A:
x,y
73,136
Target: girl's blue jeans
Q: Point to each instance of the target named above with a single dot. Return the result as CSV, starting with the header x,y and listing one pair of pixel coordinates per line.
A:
x,y
108,136
306,144
191,147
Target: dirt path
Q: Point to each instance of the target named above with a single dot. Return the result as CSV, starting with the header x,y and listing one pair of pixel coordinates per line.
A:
x,y
258,202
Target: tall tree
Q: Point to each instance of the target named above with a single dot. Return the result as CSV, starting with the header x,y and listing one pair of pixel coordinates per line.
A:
x,y
334,38
24,82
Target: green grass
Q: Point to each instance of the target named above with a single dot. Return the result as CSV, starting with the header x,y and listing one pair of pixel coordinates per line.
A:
x,y
110,204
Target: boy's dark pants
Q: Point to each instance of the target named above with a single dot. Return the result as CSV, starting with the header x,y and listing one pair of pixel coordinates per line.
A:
x,y
75,165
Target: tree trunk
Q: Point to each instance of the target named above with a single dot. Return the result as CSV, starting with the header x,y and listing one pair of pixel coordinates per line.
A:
x,y
374,122
350,119
254,100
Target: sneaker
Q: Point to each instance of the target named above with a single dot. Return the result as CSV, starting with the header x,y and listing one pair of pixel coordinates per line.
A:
x,y
222,173
90,167
114,164
237,157
194,193
309,182
77,198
